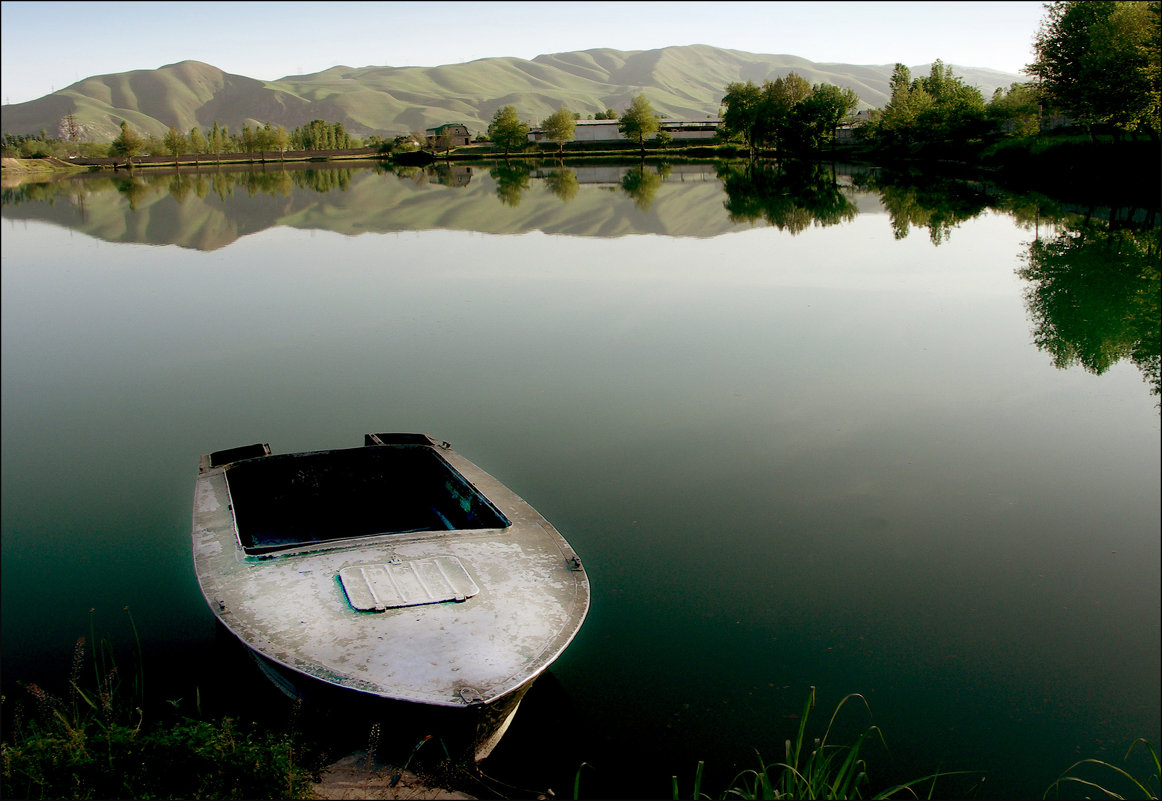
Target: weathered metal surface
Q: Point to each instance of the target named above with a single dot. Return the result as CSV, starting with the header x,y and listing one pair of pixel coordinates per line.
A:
x,y
531,596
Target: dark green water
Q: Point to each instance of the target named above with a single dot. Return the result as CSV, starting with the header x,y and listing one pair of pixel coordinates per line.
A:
x,y
845,432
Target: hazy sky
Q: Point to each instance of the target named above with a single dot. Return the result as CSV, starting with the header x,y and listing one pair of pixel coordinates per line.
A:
x,y
49,45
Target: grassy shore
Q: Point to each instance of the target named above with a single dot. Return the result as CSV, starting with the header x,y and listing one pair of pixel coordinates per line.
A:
x,y
47,166
103,737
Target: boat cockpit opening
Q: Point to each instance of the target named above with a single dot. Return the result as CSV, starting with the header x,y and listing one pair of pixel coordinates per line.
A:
x,y
294,500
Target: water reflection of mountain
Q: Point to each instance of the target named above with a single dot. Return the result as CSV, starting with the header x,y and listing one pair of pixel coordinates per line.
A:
x,y
208,209
1092,273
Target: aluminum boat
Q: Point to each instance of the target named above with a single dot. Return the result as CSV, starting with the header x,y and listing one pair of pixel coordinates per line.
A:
x,y
399,570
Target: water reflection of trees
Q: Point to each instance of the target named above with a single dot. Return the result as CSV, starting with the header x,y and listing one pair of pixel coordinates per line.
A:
x,y
937,204
641,185
181,185
321,181
33,192
138,187
1093,295
511,181
563,183
454,175
136,190
790,197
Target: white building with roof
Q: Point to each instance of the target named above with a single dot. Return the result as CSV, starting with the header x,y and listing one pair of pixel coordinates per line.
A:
x,y
606,130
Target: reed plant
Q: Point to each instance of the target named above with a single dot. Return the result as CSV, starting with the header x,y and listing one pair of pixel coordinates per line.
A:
x,y
1108,780
815,769
101,739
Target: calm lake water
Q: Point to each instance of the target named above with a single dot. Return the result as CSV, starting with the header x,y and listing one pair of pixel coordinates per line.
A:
x,y
843,430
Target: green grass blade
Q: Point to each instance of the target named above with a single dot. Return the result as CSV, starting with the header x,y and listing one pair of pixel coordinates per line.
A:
x,y
1084,783
84,697
1142,741
1065,777
807,707
891,791
139,679
848,770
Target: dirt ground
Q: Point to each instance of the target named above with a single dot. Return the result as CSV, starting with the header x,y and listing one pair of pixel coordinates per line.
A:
x,y
353,778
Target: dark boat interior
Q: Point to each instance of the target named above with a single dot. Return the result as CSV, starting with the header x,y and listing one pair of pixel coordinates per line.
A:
x,y
289,500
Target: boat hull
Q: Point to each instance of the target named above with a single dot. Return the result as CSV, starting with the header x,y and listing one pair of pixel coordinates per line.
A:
x,y
468,734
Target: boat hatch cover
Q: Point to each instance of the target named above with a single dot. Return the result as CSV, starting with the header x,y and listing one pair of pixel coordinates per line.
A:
x,y
387,585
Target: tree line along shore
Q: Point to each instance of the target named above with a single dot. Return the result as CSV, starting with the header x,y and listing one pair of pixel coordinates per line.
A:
x,y
1096,74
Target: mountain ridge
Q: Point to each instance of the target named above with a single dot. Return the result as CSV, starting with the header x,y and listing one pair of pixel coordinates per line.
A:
x,y
683,81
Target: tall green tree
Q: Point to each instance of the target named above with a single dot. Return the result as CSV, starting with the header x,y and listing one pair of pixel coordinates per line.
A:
x,y
262,138
780,98
817,118
639,122
957,111
1015,111
938,109
1099,61
897,122
507,131
218,139
247,140
901,79
742,113
316,135
128,143
443,142
559,127
198,142
154,146
278,138
175,142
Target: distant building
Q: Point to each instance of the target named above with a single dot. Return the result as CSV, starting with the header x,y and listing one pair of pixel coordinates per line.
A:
x,y
691,129
457,132
606,130
846,133
584,131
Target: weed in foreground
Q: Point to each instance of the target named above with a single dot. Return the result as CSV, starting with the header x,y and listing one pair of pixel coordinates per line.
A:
x,y
818,769
1142,786
98,742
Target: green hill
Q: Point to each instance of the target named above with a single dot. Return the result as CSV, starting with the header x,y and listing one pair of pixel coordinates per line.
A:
x,y
680,82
